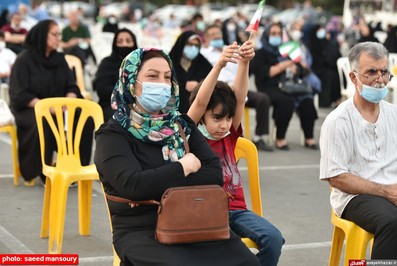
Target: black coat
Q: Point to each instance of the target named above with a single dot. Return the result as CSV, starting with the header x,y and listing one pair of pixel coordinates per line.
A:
x,y
136,170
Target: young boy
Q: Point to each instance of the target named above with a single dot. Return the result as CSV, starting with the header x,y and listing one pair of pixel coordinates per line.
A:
x,y
218,111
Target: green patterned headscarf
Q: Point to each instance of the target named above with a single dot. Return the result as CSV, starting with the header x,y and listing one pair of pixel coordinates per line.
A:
x,y
160,129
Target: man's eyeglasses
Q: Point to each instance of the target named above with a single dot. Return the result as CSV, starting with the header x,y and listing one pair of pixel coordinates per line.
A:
x,y
373,74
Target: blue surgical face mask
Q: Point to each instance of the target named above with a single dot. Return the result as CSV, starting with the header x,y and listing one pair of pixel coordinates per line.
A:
x,y
321,33
217,43
191,51
371,94
200,25
155,96
275,40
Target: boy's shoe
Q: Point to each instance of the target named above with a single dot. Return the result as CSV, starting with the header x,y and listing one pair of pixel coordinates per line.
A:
x,y
261,145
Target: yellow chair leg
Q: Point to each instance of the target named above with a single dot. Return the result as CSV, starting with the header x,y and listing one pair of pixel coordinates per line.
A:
x,y
14,149
356,245
57,215
336,248
46,209
85,202
116,259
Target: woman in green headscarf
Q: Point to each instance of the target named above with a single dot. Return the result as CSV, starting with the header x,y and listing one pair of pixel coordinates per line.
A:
x,y
140,153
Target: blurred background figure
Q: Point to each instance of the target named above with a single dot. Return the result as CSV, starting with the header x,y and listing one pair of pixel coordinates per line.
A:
x,y
40,72
76,38
391,39
111,25
325,53
191,66
27,21
39,11
107,74
270,69
14,33
366,32
7,59
196,24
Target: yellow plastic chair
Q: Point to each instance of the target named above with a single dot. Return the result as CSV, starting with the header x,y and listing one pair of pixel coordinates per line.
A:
x,y
11,129
75,65
357,240
247,133
68,168
116,259
247,150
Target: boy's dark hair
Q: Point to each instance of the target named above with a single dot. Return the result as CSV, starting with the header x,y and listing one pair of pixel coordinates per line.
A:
x,y
223,95
2,35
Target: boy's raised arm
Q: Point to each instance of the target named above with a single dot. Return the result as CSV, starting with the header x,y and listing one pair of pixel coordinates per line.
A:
x,y
247,52
199,105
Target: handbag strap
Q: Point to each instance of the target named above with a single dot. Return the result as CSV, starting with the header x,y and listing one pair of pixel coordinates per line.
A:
x,y
183,136
131,202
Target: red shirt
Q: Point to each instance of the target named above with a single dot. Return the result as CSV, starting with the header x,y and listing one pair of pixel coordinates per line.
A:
x,y
224,149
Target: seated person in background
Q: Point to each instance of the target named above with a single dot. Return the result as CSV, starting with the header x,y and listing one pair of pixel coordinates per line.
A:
x,y
7,59
76,39
219,110
269,69
358,151
107,74
40,72
139,154
212,50
191,66
14,34
27,21
111,24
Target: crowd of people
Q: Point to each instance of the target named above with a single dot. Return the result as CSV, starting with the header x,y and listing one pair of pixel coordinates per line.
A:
x,y
202,85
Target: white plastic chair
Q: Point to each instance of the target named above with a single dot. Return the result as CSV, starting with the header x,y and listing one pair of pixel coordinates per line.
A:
x,y
343,71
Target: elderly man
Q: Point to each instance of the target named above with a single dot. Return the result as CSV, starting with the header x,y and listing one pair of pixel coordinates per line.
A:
x,y
358,151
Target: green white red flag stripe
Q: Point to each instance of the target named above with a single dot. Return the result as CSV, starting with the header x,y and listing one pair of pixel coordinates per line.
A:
x,y
254,23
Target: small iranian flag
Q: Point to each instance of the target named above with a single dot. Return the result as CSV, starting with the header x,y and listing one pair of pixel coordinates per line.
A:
x,y
286,48
295,55
254,24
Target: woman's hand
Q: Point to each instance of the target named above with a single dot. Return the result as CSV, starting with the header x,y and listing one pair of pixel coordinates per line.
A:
x,y
190,163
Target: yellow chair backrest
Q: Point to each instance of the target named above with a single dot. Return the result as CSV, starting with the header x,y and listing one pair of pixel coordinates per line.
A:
x,y
60,113
75,65
247,150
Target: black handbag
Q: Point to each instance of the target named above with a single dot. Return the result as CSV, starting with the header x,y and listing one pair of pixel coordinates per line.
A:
x,y
295,85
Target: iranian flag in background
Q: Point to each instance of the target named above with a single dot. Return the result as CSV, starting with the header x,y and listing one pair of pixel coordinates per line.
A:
x,y
292,50
254,24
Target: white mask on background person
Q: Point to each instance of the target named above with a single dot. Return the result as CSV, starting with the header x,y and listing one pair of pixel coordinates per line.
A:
x,y
231,27
321,33
296,35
